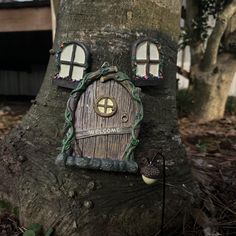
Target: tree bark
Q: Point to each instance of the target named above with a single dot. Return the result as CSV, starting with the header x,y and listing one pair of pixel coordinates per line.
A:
x,y
210,89
213,43
212,74
83,202
196,43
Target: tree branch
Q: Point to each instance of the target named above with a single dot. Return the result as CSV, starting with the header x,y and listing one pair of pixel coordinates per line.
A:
x,y
210,56
196,44
228,59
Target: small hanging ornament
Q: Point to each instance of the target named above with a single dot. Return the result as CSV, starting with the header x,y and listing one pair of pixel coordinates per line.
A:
x,y
149,168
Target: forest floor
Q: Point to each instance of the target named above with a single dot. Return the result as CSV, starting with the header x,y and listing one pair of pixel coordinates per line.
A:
x,y
11,114
211,149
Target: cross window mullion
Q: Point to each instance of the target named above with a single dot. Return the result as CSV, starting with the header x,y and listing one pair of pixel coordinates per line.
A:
x,y
148,58
105,105
72,60
71,63
148,61
151,61
108,106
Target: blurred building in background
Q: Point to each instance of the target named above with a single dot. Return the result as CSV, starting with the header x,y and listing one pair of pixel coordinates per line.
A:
x,y
25,41
26,37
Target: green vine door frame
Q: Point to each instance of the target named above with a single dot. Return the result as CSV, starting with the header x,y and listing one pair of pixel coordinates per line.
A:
x,y
66,156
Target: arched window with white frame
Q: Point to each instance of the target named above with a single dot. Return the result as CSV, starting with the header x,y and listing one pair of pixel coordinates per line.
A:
x,y
146,60
73,61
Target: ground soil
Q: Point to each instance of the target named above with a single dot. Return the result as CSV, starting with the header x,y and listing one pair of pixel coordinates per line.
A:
x,y
11,113
211,150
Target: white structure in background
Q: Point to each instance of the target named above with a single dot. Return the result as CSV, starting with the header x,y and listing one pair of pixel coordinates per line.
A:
x,y
184,60
53,17
232,91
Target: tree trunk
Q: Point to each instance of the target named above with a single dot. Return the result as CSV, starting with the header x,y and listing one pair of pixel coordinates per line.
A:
x,y
211,72
83,202
211,88
196,43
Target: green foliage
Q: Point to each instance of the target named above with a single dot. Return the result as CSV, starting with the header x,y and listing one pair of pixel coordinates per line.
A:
x,y
212,7
184,102
29,233
7,205
15,211
202,146
50,232
33,229
36,230
200,27
185,38
231,106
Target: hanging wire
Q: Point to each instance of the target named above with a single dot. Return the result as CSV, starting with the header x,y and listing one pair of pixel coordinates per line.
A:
x,y
163,192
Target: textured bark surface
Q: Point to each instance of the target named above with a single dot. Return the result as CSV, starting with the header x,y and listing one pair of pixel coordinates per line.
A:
x,y
211,87
81,202
212,67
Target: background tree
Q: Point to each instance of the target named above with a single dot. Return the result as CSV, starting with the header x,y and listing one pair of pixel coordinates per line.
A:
x,y
82,202
213,61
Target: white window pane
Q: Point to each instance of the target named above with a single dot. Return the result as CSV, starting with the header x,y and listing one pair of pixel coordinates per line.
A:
x,y
101,109
141,53
79,55
77,73
154,54
64,71
187,59
180,58
109,102
141,70
102,102
109,110
66,53
154,69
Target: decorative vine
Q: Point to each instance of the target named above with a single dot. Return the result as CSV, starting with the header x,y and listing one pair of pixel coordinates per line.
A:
x,y
75,95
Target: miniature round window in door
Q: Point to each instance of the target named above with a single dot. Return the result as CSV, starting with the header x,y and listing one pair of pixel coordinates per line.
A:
x,y
105,106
